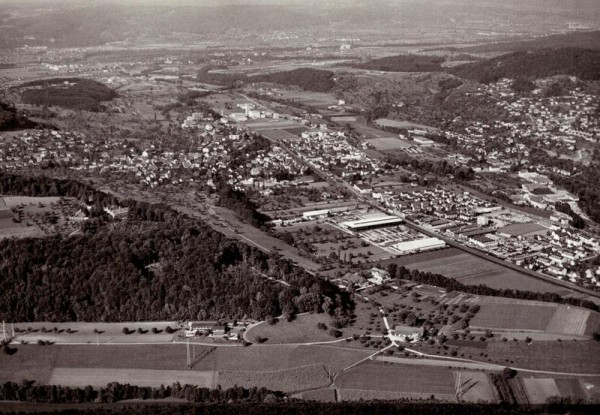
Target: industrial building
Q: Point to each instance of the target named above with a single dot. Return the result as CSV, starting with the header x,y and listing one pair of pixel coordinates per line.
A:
x,y
419,245
375,222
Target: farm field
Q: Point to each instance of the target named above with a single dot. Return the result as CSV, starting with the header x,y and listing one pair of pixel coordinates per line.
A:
x,y
277,134
513,316
301,330
386,122
564,356
474,386
389,143
540,389
319,395
398,378
368,395
84,332
534,316
288,380
40,363
472,270
142,377
572,387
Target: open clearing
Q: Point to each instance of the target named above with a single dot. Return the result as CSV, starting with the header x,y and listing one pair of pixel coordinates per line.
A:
x,y
398,378
301,330
142,377
386,122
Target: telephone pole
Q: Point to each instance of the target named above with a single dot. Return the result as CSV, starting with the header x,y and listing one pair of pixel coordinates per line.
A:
x,y
189,356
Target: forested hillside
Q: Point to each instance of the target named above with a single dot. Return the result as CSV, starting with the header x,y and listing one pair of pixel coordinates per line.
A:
x,y
157,265
403,63
75,93
583,63
315,80
11,119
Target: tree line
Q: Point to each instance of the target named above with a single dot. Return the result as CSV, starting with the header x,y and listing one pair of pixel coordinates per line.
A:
x,y
28,391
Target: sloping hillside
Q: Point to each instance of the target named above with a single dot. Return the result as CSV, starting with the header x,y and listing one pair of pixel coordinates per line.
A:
x,y
583,63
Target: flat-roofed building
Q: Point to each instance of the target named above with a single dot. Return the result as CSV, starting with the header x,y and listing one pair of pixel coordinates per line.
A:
x,y
373,222
419,245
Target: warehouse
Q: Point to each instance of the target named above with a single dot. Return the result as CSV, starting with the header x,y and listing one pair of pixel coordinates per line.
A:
x,y
419,245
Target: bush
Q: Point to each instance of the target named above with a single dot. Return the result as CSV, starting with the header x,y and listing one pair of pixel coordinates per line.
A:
x,y
126,330
169,330
335,333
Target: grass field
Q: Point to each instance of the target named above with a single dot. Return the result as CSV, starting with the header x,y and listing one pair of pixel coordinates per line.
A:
x,y
301,330
288,380
142,377
398,378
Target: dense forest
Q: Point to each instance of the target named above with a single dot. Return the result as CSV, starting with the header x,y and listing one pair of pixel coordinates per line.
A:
x,y
403,63
115,392
314,80
157,265
74,93
438,280
583,63
239,202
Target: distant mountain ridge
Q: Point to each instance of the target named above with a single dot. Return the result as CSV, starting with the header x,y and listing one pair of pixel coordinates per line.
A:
x,y
585,40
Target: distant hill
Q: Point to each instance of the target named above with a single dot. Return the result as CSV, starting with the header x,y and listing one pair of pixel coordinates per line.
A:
x,y
583,63
315,80
402,63
585,40
74,93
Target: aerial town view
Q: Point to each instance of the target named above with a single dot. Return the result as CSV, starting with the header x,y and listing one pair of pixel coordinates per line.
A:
x,y
300,206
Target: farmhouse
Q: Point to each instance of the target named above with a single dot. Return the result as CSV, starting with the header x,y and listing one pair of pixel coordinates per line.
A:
x,y
315,214
203,328
407,333
379,276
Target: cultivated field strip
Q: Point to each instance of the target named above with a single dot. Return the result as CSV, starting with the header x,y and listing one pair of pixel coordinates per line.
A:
x,y
569,320
540,389
80,377
288,380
